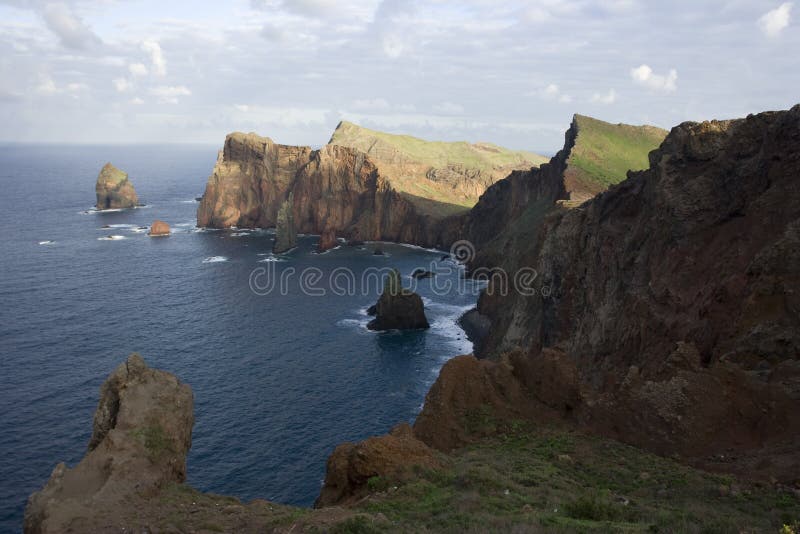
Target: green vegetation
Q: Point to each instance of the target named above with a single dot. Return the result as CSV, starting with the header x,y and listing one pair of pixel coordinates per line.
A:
x,y
604,153
556,480
437,154
155,441
462,170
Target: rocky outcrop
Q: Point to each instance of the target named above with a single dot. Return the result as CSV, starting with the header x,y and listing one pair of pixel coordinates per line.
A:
x,y
159,229
114,190
142,432
398,308
285,230
327,241
336,189
668,306
383,459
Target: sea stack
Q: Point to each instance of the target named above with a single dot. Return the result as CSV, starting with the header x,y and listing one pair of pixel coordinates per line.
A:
x,y
114,190
398,308
158,229
286,234
327,240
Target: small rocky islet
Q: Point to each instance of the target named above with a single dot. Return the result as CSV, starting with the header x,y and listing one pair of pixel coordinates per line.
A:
x,y
646,380
114,190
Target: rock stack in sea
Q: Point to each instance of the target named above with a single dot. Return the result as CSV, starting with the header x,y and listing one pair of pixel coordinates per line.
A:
x,y
285,231
114,190
398,308
158,229
327,240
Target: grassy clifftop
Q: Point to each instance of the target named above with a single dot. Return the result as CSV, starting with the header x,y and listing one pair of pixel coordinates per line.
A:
x,y
604,153
440,178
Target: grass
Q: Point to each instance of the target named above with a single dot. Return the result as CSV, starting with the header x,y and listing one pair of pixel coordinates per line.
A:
x,y
405,161
155,441
563,481
604,152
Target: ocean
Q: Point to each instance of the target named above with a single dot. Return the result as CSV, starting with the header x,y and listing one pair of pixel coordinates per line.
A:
x,y
280,375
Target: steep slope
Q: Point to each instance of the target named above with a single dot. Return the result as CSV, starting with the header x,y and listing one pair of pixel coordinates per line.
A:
x,y
508,215
453,175
665,311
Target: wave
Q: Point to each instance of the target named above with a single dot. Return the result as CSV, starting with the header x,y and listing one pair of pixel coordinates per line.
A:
x,y
47,242
215,259
112,238
271,258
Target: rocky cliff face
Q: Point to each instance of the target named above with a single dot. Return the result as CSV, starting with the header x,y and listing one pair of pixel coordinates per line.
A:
x,y
671,317
142,432
114,190
335,189
285,230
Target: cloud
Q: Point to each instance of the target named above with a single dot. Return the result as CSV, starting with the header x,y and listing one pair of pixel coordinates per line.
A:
x,y
156,57
607,98
137,69
48,87
448,108
644,76
121,84
170,94
552,92
772,23
136,101
68,27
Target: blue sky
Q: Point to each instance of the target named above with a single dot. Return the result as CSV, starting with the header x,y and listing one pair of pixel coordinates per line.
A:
x,y
513,73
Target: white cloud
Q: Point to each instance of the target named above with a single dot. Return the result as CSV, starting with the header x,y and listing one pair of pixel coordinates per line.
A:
x,y
605,98
137,69
449,108
170,94
68,27
136,101
552,92
121,84
644,76
772,23
48,87
156,56
244,108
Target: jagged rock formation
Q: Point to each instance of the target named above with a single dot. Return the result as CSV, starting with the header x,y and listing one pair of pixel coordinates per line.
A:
x,y
670,317
596,154
439,178
285,231
327,241
398,308
159,229
335,189
114,190
142,432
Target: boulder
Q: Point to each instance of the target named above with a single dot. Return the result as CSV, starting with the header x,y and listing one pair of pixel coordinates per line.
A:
x,y
158,229
420,274
142,432
114,190
398,308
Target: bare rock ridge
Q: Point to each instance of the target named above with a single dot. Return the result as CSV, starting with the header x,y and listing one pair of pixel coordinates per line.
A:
x,y
142,432
114,190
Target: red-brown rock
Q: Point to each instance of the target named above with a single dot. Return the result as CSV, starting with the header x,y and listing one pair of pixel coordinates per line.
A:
x,y
158,229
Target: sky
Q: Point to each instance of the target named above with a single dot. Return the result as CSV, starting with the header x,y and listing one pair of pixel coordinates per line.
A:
x,y
512,73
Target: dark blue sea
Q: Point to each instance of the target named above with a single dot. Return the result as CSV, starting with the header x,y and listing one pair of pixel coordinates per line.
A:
x,y
279,378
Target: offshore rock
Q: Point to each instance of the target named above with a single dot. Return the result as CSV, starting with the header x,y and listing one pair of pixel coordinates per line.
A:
x,y
159,229
114,190
398,308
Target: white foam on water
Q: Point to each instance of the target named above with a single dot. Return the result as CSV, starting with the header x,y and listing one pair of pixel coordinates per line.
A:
x,y
188,201
138,230
48,242
112,238
121,226
240,234
186,224
271,258
215,259
359,324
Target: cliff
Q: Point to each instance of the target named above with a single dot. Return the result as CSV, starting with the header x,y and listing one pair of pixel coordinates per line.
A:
x,y
439,178
596,154
669,317
114,190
